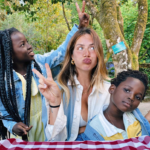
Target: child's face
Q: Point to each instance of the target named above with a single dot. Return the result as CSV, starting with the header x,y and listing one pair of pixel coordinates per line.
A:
x,y
128,95
22,50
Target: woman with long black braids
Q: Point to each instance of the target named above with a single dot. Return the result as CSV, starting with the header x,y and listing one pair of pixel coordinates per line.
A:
x,y
22,107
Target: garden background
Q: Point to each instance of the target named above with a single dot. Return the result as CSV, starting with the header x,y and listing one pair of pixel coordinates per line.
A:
x,y
46,23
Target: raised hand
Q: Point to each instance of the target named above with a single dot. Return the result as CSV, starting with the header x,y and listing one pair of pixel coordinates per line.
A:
x,y
21,129
48,87
83,17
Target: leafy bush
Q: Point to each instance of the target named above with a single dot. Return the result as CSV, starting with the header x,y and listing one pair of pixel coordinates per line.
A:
x,y
48,29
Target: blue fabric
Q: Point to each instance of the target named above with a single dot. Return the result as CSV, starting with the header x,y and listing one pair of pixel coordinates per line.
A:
x,y
119,47
92,134
53,58
69,109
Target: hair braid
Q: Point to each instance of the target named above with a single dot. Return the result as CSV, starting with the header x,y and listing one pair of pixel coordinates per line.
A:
x,y
37,66
7,52
28,96
3,73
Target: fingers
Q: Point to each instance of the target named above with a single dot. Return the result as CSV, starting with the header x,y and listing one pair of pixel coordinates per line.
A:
x,y
48,70
42,86
83,6
29,128
38,73
78,9
23,125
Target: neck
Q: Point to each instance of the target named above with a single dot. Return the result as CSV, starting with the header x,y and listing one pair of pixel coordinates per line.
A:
x,y
20,67
84,78
114,112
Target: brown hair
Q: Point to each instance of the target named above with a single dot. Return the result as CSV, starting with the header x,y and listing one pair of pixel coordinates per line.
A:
x,y
99,72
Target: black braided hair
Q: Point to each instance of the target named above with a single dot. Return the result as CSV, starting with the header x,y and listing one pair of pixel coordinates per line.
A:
x,y
8,98
122,76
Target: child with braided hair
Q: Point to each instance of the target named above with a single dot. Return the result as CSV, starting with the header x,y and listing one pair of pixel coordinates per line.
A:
x,y
22,107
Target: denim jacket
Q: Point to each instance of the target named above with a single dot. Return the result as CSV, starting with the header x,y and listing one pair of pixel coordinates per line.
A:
x,y
91,134
53,58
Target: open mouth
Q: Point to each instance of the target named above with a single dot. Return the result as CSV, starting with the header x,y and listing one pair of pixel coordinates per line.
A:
x,y
31,53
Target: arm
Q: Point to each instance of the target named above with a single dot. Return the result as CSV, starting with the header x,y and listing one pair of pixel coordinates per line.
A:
x,y
56,123
147,116
12,126
54,58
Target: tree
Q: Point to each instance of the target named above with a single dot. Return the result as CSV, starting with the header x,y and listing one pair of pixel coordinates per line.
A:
x,y
109,16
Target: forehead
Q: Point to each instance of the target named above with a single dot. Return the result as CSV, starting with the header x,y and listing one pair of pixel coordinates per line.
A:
x,y
84,39
134,83
17,36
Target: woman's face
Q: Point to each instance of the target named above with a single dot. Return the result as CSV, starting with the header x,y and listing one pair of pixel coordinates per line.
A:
x,y
84,54
22,50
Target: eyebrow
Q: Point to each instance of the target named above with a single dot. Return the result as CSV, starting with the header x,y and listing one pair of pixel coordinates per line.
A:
x,y
83,44
132,88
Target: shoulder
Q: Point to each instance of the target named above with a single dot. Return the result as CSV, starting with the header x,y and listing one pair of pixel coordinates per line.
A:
x,y
104,86
41,58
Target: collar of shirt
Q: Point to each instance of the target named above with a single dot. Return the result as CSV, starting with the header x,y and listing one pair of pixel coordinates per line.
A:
x,y
101,89
110,130
34,88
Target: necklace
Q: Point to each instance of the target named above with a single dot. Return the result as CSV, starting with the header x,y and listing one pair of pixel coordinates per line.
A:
x,y
24,75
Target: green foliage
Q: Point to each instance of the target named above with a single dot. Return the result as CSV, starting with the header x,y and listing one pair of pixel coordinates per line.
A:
x,y
18,21
147,72
130,14
62,1
145,47
47,32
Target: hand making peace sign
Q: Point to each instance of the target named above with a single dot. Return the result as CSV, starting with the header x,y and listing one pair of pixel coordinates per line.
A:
x,y
48,87
83,17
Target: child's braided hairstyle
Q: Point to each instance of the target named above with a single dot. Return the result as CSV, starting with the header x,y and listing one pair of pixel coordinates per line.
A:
x,y
8,97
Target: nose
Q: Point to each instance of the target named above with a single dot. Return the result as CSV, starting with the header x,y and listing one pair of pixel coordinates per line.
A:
x,y
29,47
131,97
86,53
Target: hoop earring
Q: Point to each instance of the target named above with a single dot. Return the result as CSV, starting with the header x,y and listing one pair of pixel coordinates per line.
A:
x,y
72,62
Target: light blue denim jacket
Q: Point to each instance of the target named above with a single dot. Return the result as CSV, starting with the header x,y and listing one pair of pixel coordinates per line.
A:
x,y
53,58
91,134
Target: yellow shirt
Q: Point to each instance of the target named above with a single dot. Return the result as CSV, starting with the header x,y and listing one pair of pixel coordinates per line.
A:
x,y
37,131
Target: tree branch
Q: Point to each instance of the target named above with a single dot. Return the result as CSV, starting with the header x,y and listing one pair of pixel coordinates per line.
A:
x,y
66,17
91,8
120,19
143,55
140,26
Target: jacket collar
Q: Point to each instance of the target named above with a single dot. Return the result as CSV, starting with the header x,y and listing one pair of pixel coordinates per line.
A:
x,y
101,89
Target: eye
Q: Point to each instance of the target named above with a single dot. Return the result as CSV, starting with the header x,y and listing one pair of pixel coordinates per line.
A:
x,y
22,44
126,90
92,48
138,98
80,48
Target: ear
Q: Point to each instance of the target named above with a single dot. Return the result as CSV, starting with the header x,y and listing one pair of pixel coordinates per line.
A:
x,y
112,89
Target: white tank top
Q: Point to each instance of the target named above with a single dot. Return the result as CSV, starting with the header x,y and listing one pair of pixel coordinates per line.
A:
x,y
82,122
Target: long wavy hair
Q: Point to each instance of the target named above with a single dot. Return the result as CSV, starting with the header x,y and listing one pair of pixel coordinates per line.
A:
x,y
99,72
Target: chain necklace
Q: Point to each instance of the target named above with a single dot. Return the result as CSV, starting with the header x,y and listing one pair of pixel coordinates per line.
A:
x,y
24,75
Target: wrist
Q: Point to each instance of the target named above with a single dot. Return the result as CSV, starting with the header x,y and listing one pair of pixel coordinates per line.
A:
x,y
54,106
57,102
